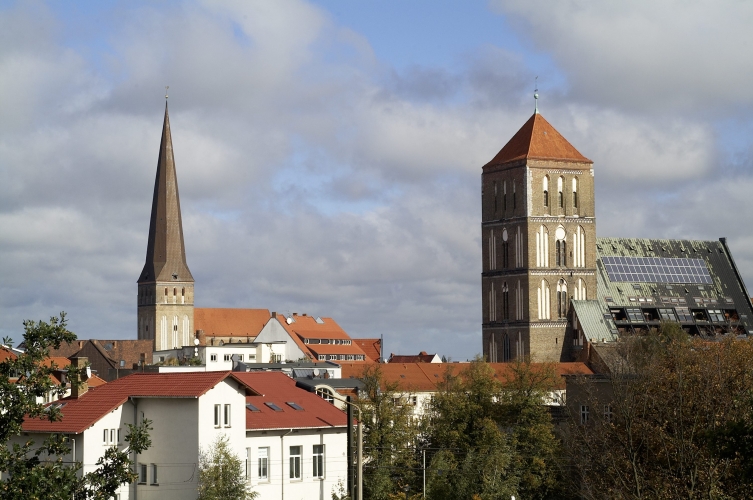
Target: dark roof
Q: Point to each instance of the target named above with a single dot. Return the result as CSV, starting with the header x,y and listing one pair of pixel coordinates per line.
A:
x,y
538,140
421,357
165,251
726,291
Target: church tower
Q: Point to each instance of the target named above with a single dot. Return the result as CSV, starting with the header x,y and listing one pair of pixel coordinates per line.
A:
x,y
538,243
165,286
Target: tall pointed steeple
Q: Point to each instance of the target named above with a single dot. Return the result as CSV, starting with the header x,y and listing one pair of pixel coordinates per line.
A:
x,y
165,251
165,286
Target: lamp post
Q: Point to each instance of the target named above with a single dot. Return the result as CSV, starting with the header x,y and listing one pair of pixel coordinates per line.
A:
x,y
360,444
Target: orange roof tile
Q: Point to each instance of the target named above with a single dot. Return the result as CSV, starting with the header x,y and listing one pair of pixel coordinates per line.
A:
x,y
538,140
80,413
278,388
306,327
6,353
424,377
218,322
60,362
371,347
95,381
318,349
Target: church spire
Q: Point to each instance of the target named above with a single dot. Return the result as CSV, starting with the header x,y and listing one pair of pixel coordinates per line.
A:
x,y
165,251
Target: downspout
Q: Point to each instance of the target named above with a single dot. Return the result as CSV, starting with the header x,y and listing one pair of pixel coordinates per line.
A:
x,y
135,464
282,461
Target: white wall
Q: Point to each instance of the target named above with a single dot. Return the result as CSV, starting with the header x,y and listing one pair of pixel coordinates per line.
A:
x,y
274,332
280,485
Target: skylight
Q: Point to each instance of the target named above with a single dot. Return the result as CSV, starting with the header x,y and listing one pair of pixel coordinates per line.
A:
x,y
252,407
273,406
294,406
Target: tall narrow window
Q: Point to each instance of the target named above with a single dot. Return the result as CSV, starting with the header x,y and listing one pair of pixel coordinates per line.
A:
x,y
542,247
560,199
492,304
561,299
560,247
583,414
505,250
505,302
495,197
543,300
318,457
142,473
546,190
575,192
226,419
154,474
514,197
263,469
295,462
217,415
580,290
608,414
492,251
519,301
504,195
579,247
505,348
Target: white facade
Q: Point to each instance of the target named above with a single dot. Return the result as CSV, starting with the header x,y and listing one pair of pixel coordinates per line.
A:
x,y
220,357
272,334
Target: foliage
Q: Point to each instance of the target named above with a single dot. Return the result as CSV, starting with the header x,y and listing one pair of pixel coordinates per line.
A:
x,y
390,435
678,423
35,472
221,474
493,439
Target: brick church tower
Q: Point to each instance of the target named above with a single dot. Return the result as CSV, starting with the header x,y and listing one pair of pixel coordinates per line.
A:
x,y
538,235
165,286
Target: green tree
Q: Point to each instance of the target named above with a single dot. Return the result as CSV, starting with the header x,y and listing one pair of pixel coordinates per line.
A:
x,y
221,474
678,423
36,471
492,438
390,435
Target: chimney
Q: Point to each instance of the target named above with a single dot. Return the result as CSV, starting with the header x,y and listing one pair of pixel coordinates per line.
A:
x,y
83,387
274,314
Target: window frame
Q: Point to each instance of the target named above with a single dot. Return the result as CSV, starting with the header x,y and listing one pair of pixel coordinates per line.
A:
x,y
142,474
318,461
584,414
226,416
155,477
295,453
217,416
262,462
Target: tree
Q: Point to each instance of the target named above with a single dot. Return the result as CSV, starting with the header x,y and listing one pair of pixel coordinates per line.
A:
x,y
675,422
389,437
35,471
221,474
492,438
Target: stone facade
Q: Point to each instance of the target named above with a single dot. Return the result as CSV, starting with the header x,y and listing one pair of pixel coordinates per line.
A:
x,y
538,245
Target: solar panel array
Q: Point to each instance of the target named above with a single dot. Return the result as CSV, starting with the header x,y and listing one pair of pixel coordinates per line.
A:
x,y
656,270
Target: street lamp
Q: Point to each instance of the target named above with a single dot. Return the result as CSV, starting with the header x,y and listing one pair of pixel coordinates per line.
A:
x,y
360,442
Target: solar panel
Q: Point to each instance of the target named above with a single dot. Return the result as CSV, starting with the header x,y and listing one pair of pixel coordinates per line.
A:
x,y
656,270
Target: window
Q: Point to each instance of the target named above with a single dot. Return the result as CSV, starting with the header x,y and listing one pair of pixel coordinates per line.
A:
x,y
263,469
227,416
562,301
546,191
319,461
560,247
154,474
217,412
119,441
326,395
667,315
240,357
212,357
635,315
295,462
112,437
716,315
575,192
505,301
105,437
560,199
142,473
608,415
227,357
584,414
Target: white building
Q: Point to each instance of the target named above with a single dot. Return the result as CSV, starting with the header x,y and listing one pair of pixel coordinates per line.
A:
x,y
292,441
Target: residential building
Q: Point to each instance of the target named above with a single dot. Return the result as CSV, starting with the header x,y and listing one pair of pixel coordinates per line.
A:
x,y
421,357
303,437
108,358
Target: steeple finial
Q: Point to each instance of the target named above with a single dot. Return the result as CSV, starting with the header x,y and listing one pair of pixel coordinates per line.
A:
x,y
168,86
536,96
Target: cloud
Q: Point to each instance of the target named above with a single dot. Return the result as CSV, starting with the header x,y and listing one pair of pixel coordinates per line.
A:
x,y
656,57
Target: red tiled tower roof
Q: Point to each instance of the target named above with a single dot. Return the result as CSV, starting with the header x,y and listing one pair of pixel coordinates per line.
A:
x,y
538,140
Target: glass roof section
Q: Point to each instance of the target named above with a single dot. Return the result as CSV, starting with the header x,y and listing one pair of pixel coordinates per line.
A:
x,y
656,270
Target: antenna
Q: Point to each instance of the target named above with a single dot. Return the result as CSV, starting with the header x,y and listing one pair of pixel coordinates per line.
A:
x,y
536,96
168,86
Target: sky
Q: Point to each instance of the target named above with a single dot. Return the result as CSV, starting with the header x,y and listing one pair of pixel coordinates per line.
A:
x,y
329,152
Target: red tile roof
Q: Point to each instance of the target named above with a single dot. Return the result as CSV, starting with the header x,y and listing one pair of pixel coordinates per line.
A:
x,y
80,413
307,327
538,140
95,381
278,388
421,357
424,377
6,353
230,322
371,347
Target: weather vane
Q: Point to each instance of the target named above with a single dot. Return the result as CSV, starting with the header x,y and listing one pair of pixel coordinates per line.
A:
x,y
536,95
168,86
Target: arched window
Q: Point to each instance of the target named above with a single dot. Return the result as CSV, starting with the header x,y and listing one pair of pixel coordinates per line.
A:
x,y
542,247
504,195
514,198
492,304
505,301
560,199
495,197
519,301
326,395
580,290
543,300
492,251
575,192
579,247
505,348
561,299
560,247
505,250
546,190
